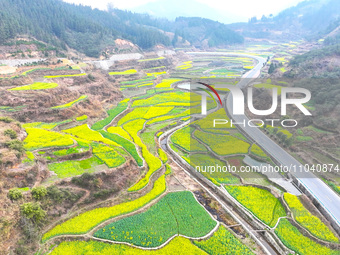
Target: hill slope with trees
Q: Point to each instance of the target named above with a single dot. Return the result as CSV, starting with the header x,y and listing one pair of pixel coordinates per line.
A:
x,y
90,30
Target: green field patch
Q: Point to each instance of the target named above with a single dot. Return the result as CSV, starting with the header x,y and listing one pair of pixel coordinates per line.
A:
x,y
73,150
24,189
148,136
145,112
166,83
179,245
209,167
133,128
108,155
12,109
177,110
150,92
260,202
162,155
119,131
138,85
65,76
185,65
155,74
156,111
136,113
33,70
126,144
182,138
86,221
304,138
167,118
312,223
81,118
176,213
39,138
257,151
71,168
294,240
85,133
248,67
217,131
225,71
127,72
239,135
181,114
122,106
145,79
70,104
223,242
208,122
178,96
145,85
167,169
283,69
37,86
222,145
30,155
183,104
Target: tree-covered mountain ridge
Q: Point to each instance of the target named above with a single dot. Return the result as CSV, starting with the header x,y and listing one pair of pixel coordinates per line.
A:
x,y
90,30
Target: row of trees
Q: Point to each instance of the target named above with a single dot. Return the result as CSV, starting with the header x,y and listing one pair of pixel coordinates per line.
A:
x,y
283,138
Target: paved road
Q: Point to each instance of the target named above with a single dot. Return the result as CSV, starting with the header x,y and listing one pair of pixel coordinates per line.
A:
x,y
320,191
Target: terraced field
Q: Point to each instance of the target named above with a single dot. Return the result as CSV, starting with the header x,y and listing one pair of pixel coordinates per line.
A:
x,y
71,168
206,124
176,213
86,221
293,239
209,166
112,113
178,245
183,139
70,104
223,242
127,72
166,83
260,202
154,163
64,76
222,145
312,223
257,151
36,86
125,134
40,138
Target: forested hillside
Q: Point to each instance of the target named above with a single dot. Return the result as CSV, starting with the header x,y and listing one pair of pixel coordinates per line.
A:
x,y
89,31
78,27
